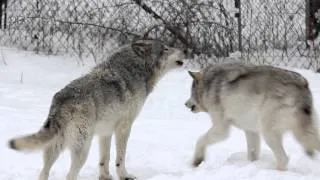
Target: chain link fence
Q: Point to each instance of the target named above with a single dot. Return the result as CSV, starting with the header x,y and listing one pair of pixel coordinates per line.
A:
x,y
58,26
273,32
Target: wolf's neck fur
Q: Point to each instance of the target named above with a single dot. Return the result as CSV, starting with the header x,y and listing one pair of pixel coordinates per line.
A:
x,y
135,69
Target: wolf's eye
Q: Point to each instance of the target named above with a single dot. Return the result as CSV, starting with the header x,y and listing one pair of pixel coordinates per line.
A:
x,y
166,49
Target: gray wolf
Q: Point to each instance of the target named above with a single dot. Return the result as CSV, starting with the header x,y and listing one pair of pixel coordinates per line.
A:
x,y
260,100
105,101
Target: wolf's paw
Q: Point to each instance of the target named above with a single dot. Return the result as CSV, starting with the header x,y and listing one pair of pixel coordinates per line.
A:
x,y
109,177
253,157
128,177
282,163
281,168
197,161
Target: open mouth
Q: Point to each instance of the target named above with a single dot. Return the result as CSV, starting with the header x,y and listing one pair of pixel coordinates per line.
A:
x,y
193,108
179,63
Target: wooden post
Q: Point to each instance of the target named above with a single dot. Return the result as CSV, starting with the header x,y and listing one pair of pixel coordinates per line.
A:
x,y
312,7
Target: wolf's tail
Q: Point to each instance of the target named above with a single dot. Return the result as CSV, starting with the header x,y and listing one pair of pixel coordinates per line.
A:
x,y
50,129
33,141
43,137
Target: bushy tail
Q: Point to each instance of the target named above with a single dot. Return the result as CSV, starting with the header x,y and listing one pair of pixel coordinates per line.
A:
x,y
49,130
33,141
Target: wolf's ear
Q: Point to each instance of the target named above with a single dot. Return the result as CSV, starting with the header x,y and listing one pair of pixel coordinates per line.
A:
x,y
195,75
142,48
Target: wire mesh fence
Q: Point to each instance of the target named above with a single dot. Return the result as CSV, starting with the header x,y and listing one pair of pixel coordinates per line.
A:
x,y
277,32
53,27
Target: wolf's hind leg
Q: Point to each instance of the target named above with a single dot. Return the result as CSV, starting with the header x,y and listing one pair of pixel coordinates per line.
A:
x,y
105,144
253,145
79,154
50,155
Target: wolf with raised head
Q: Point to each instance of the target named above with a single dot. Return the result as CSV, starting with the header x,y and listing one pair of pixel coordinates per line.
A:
x,y
105,101
260,100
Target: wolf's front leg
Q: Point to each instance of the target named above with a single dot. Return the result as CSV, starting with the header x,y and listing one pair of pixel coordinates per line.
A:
x,y
274,140
122,135
253,145
215,134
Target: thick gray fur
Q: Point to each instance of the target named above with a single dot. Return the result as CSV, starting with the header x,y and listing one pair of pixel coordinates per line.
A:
x,y
105,101
261,100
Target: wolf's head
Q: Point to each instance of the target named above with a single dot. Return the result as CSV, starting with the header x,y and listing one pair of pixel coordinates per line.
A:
x,y
157,55
194,103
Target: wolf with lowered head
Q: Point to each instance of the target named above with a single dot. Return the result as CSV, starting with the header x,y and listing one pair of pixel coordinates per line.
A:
x,y
260,100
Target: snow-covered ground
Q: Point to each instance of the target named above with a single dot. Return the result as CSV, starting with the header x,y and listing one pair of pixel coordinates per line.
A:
x,y
162,140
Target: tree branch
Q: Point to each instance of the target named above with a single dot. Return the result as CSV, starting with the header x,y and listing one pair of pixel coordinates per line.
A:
x,y
80,23
176,31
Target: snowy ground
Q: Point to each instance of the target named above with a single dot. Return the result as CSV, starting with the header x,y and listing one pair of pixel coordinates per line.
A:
x,y
162,140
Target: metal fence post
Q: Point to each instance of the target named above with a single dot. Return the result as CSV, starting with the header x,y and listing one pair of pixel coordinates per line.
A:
x,y
5,13
1,14
307,23
237,4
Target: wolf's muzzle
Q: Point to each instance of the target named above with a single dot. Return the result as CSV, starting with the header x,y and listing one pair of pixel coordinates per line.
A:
x,y
190,106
